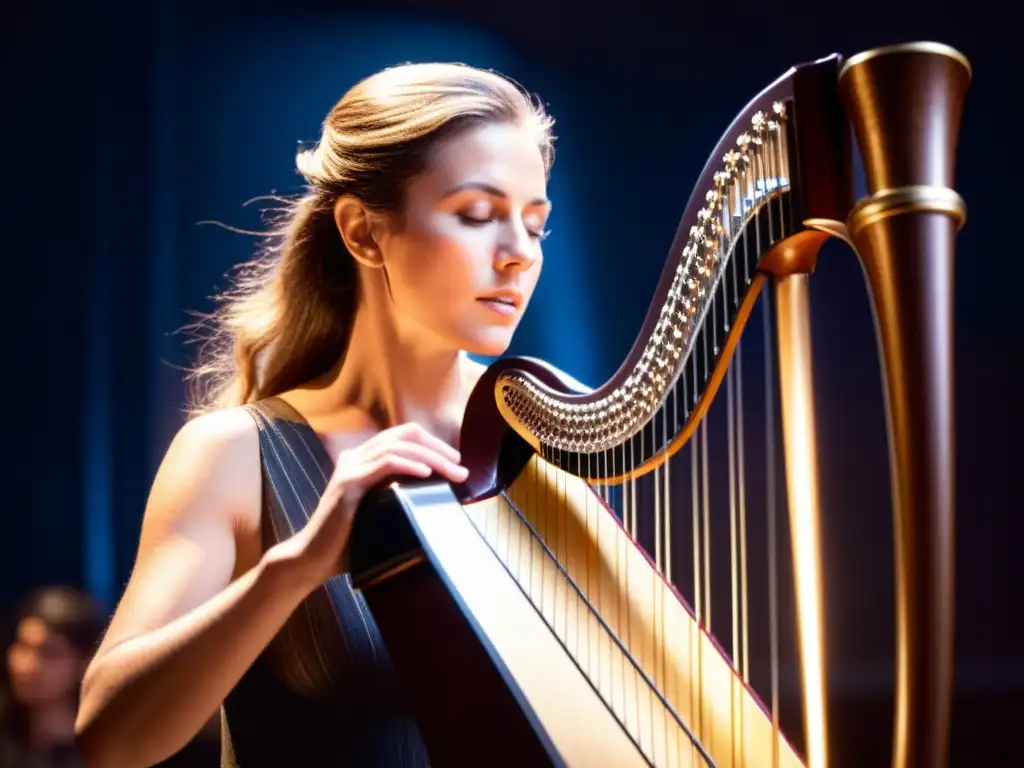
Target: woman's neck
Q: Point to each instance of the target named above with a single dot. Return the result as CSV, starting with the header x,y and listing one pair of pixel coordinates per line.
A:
x,y
393,381
51,726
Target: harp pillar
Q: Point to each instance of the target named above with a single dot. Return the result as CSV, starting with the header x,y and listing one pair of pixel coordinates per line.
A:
x,y
790,262
905,103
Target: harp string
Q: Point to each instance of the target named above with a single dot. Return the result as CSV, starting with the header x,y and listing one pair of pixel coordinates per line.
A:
x,y
697,694
635,677
733,555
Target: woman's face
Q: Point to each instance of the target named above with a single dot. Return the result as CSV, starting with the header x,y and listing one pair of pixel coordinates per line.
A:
x,y
44,667
464,263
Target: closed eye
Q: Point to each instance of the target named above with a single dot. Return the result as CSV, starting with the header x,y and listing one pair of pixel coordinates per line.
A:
x,y
479,221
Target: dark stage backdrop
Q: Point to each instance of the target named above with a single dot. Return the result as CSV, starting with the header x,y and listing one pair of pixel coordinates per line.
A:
x,y
127,124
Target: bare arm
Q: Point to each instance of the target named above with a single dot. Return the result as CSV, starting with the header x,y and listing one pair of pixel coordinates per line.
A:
x,y
184,633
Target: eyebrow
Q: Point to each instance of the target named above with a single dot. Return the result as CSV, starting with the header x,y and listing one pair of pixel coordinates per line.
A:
x,y
491,190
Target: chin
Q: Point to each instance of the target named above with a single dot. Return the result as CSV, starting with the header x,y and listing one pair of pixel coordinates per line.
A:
x,y
489,345
30,693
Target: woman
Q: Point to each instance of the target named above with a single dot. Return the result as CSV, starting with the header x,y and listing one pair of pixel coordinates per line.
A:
x,y
55,633
341,359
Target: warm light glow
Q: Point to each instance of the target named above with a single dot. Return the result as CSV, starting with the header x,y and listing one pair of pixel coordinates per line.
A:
x,y
682,661
802,484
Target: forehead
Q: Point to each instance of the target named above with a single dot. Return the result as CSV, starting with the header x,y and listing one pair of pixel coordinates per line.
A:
x,y
505,156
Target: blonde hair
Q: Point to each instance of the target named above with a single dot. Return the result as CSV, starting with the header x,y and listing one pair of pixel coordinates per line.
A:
x,y
286,319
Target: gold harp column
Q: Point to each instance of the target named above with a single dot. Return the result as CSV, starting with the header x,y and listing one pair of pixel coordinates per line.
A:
x,y
905,105
790,262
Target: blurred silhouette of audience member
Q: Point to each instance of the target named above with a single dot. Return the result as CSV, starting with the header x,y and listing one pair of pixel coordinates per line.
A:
x,y
56,632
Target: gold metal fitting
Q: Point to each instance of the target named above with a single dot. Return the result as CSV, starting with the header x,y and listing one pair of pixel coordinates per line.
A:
x,y
915,198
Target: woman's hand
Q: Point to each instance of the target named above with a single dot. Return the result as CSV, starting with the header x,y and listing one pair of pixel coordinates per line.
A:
x,y
320,548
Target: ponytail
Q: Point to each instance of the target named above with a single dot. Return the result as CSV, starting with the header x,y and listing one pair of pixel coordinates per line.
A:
x,y
288,317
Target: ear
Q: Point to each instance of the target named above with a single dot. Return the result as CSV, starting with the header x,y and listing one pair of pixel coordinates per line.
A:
x,y
356,224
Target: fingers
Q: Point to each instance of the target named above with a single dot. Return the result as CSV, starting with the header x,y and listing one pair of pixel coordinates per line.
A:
x,y
387,466
437,461
414,433
405,450
408,450
393,464
421,454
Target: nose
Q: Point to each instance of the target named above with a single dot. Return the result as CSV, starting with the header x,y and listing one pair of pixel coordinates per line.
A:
x,y
516,249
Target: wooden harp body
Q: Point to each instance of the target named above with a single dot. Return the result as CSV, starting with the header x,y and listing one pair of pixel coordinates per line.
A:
x,y
537,619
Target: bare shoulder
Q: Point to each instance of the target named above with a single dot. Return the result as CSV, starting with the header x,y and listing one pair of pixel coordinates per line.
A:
x,y
199,524
214,459
224,437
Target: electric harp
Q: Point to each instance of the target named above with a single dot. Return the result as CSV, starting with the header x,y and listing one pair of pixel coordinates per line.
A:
x,y
547,613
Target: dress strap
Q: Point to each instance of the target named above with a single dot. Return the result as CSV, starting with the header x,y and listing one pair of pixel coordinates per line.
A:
x,y
331,643
296,465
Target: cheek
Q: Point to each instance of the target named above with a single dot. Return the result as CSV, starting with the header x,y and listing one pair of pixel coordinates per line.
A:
x,y
530,277
20,661
443,265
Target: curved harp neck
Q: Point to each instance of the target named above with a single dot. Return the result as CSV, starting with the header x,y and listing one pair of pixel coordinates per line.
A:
x,y
781,169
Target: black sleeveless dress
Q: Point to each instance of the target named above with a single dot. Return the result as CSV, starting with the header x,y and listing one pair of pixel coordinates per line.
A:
x,y
324,692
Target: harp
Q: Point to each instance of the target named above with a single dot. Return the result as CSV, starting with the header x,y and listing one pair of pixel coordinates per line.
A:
x,y
545,612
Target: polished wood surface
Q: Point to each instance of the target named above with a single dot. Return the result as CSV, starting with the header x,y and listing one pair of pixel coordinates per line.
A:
x,y
905,104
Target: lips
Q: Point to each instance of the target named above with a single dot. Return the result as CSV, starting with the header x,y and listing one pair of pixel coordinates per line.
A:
x,y
512,299
496,300
506,305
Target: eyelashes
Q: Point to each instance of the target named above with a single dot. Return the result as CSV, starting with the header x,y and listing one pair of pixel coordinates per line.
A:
x,y
473,221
